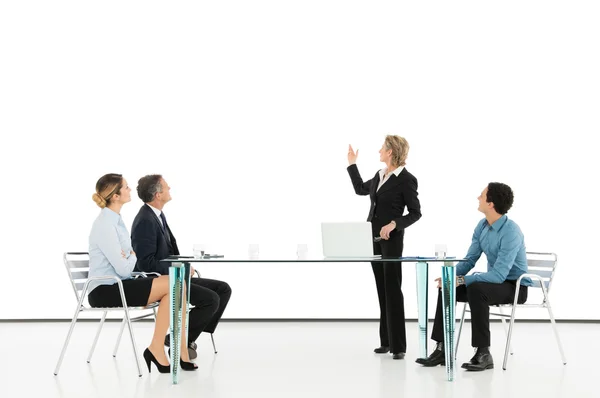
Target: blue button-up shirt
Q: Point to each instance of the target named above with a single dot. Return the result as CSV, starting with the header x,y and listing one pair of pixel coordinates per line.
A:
x,y
504,246
108,238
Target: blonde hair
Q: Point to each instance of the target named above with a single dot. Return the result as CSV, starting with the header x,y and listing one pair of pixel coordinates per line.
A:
x,y
399,147
106,187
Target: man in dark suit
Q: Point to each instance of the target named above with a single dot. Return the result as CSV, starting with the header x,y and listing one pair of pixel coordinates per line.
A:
x,y
153,240
392,190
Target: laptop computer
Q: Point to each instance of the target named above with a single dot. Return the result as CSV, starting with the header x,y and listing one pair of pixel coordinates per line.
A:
x,y
347,240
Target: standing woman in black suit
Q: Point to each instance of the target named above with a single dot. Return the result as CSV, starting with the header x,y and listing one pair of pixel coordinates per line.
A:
x,y
391,190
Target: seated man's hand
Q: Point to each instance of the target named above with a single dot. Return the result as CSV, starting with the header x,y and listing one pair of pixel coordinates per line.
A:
x,y
439,282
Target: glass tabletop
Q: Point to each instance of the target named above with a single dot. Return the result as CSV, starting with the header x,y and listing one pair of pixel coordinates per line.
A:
x,y
226,259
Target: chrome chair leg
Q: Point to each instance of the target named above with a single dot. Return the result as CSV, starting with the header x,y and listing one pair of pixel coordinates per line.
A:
x,y
213,343
462,321
511,327
119,338
135,354
97,336
553,322
64,349
504,326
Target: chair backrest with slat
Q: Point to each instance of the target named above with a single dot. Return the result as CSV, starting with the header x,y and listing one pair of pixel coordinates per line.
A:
x,y
78,267
543,265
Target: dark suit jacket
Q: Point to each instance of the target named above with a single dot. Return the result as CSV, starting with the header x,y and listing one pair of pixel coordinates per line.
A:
x,y
388,204
150,243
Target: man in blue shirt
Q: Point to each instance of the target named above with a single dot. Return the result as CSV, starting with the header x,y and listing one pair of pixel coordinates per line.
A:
x,y
502,242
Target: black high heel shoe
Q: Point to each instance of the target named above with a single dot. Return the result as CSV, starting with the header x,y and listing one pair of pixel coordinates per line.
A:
x,y
187,365
149,357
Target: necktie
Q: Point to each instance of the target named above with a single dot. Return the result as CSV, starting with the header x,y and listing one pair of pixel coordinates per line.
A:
x,y
165,227
164,220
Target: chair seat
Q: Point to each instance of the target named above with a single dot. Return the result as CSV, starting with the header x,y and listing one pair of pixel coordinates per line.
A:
x,y
148,307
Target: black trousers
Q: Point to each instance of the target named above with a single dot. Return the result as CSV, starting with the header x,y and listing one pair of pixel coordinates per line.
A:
x,y
209,297
479,296
388,279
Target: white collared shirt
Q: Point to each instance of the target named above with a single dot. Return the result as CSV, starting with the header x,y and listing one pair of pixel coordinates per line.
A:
x,y
158,213
382,179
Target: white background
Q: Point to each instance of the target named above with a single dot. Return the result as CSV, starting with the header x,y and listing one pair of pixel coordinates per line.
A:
x,y
247,109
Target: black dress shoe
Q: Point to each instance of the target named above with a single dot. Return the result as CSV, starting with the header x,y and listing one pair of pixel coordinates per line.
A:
x,y
191,347
437,357
399,355
481,361
471,362
381,350
184,365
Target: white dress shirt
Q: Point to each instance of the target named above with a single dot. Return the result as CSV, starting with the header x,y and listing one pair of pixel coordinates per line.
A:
x,y
383,178
157,212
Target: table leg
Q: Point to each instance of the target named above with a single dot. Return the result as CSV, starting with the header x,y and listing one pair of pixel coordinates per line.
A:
x,y
176,278
422,280
187,302
448,307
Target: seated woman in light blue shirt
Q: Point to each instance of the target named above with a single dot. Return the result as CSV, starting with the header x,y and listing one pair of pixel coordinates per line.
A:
x,y
111,255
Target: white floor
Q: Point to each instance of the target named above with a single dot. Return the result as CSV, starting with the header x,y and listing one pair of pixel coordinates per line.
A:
x,y
279,359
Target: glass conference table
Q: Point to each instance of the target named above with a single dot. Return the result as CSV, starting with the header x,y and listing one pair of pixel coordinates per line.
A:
x,y
179,275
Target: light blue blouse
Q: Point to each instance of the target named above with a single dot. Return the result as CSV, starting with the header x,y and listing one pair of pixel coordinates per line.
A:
x,y
108,238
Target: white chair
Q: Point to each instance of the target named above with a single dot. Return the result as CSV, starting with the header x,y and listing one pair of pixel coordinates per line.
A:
x,y
77,265
541,270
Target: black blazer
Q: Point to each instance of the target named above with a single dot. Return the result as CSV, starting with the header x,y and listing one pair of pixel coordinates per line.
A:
x,y
150,243
388,204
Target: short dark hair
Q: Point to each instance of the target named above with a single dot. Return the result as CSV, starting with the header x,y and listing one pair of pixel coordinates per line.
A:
x,y
501,196
148,186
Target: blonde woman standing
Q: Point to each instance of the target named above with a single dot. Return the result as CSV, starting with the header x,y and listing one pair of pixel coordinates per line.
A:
x,y
391,190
